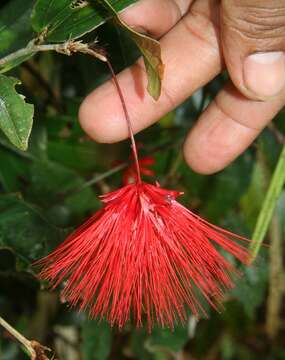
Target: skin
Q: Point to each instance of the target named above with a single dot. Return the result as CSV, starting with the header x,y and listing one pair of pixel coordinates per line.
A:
x,y
199,39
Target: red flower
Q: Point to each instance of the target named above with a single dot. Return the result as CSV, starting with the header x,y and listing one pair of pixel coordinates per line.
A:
x,y
144,255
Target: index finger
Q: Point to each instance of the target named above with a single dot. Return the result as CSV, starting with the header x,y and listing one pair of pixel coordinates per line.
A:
x,y
191,55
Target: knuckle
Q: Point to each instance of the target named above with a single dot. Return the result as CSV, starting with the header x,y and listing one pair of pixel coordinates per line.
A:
x,y
202,26
257,21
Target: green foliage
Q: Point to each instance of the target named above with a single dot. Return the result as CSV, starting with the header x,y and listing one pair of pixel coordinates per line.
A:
x,y
23,228
253,278
60,20
16,116
53,186
15,31
15,25
228,186
96,340
167,340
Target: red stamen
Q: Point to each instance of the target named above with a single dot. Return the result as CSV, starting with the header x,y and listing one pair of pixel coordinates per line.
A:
x,y
144,257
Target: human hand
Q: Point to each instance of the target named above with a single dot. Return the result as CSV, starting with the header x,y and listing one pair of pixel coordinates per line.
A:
x,y
198,39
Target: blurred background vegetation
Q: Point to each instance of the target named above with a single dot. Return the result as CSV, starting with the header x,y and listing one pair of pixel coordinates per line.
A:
x,y
52,187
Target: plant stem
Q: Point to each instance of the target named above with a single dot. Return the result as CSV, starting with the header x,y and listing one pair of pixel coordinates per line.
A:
x,y
66,48
34,349
29,50
128,120
25,342
268,206
32,49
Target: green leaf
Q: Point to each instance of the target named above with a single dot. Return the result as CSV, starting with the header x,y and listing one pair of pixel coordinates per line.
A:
x,y
15,31
138,342
15,25
12,171
150,50
65,20
251,201
228,186
23,228
250,289
168,340
96,340
16,116
62,20
79,156
54,187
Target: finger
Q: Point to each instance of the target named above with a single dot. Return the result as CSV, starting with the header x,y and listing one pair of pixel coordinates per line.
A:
x,y
144,15
191,55
253,40
226,128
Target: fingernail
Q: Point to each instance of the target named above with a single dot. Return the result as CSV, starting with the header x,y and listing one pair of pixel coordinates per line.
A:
x,y
264,73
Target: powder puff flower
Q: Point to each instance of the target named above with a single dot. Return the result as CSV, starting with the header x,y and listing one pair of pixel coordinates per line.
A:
x,y
144,256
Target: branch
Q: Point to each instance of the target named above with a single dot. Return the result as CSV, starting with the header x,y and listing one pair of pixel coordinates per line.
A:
x,y
35,350
66,48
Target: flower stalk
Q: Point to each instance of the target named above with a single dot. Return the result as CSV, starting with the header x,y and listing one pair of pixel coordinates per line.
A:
x,y
128,120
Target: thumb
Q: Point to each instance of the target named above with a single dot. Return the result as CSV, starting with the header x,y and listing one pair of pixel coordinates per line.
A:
x,y
253,41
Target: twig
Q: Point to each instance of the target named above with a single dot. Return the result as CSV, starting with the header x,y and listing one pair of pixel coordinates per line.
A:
x,y
66,48
35,350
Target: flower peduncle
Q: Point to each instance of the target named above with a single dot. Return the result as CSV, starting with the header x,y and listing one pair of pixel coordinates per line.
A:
x,y
128,120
